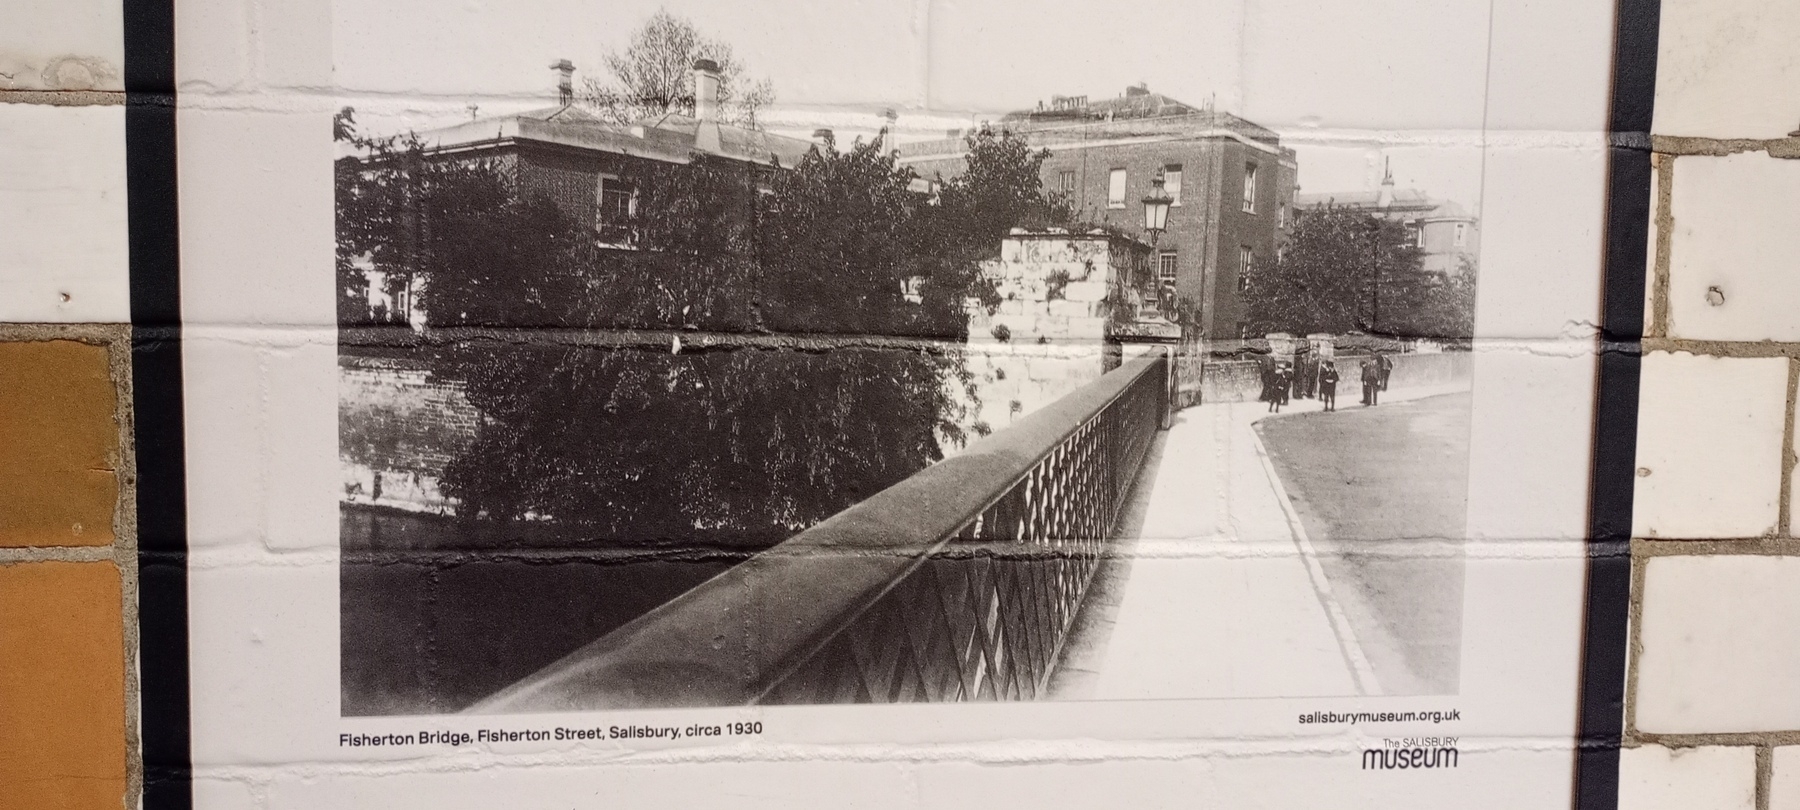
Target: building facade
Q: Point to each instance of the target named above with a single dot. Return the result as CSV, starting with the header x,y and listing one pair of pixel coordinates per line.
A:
x,y
591,169
1447,235
1231,181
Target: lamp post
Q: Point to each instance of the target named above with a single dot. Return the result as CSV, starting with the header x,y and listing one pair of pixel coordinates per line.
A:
x,y
1156,210
1156,220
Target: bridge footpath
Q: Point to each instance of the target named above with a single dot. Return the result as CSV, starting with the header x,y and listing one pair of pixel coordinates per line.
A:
x,y
1215,588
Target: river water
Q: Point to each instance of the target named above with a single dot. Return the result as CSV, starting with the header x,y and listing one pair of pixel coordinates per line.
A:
x,y
431,624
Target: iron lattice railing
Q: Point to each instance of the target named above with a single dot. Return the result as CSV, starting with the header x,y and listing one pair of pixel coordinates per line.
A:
x,y
960,583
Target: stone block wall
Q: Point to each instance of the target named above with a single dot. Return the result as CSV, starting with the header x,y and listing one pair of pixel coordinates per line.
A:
x,y
400,425
1712,708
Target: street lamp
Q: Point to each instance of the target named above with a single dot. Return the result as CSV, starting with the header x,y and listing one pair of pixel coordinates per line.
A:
x,y
1156,220
1156,210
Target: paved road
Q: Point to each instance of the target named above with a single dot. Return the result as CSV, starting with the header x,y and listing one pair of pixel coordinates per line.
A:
x,y
1382,493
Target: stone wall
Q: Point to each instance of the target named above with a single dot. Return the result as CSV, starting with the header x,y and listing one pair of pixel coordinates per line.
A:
x,y
1048,335
399,426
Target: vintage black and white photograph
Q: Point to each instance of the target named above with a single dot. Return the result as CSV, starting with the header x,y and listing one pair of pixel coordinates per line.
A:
x,y
1087,372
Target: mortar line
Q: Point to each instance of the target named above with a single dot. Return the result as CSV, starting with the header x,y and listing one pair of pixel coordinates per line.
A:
x,y
1722,348
1741,739
65,98
1634,643
1733,546
1784,512
68,554
1783,147
125,551
1664,216
1765,767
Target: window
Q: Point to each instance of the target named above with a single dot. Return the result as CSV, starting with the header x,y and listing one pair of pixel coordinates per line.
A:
x,y
1066,182
1415,233
1165,267
1281,215
1462,234
1246,266
1115,189
618,202
1172,183
1249,188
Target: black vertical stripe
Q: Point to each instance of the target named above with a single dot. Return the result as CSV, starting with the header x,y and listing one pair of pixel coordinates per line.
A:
x,y
157,402
1628,211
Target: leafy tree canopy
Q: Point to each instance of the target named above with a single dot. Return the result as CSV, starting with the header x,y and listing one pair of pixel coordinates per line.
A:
x,y
1347,270
739,445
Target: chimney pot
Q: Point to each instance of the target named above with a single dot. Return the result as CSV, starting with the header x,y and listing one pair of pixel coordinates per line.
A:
x,y
565,81
706,89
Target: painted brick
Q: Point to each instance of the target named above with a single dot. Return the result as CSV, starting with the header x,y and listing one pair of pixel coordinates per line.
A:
x,y
62,45
62,197
1709,446
59,445
1784,784
62,686
1721,645
1652,777
1734,253
1728,69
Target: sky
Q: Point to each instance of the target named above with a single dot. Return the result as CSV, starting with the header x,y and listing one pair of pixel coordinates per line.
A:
x,y
1348,83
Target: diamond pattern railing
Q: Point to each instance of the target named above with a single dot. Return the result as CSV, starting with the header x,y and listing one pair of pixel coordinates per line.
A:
x,y
985,616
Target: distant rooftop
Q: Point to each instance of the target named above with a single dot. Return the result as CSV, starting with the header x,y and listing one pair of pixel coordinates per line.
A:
x,y
1137,113
1137,102
1402,200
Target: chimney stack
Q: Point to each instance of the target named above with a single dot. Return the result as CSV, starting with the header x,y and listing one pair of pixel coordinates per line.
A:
x,y
565,81
1385,197
706,89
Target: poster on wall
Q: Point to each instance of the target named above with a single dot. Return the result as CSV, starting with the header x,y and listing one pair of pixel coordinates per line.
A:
x,y
629,390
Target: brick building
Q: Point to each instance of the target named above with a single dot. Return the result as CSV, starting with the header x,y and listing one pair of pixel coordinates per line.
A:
x,y
1446,233
593,169
1232,181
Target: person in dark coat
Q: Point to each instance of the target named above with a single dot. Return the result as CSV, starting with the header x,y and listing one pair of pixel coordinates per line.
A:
x,y
1328,380
1371,381
1266,368
1284,377
1386,365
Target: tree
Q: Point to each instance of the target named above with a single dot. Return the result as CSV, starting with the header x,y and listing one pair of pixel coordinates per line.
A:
x,y
634,439
505,259
655,75
1347,270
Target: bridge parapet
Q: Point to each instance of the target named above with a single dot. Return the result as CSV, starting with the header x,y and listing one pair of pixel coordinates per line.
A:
x,y
959,583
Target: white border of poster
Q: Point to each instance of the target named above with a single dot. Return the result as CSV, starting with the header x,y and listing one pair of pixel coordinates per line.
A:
x,y
257,97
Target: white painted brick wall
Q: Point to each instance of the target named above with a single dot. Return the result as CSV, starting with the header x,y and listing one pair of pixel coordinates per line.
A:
x,y
62,201
61,45
1784,787
1734,255
1728,69
1720,651
1709,445
1652,777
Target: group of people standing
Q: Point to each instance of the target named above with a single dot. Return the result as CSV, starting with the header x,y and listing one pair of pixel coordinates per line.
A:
x,y
1307,376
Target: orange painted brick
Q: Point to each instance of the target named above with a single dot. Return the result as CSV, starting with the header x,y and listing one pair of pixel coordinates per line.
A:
x,y
59,445
62,686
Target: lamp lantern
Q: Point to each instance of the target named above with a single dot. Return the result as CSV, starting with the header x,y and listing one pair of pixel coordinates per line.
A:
x,y
1156,210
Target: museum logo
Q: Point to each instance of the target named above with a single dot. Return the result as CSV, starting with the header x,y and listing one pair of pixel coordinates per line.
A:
x,y
1412,753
